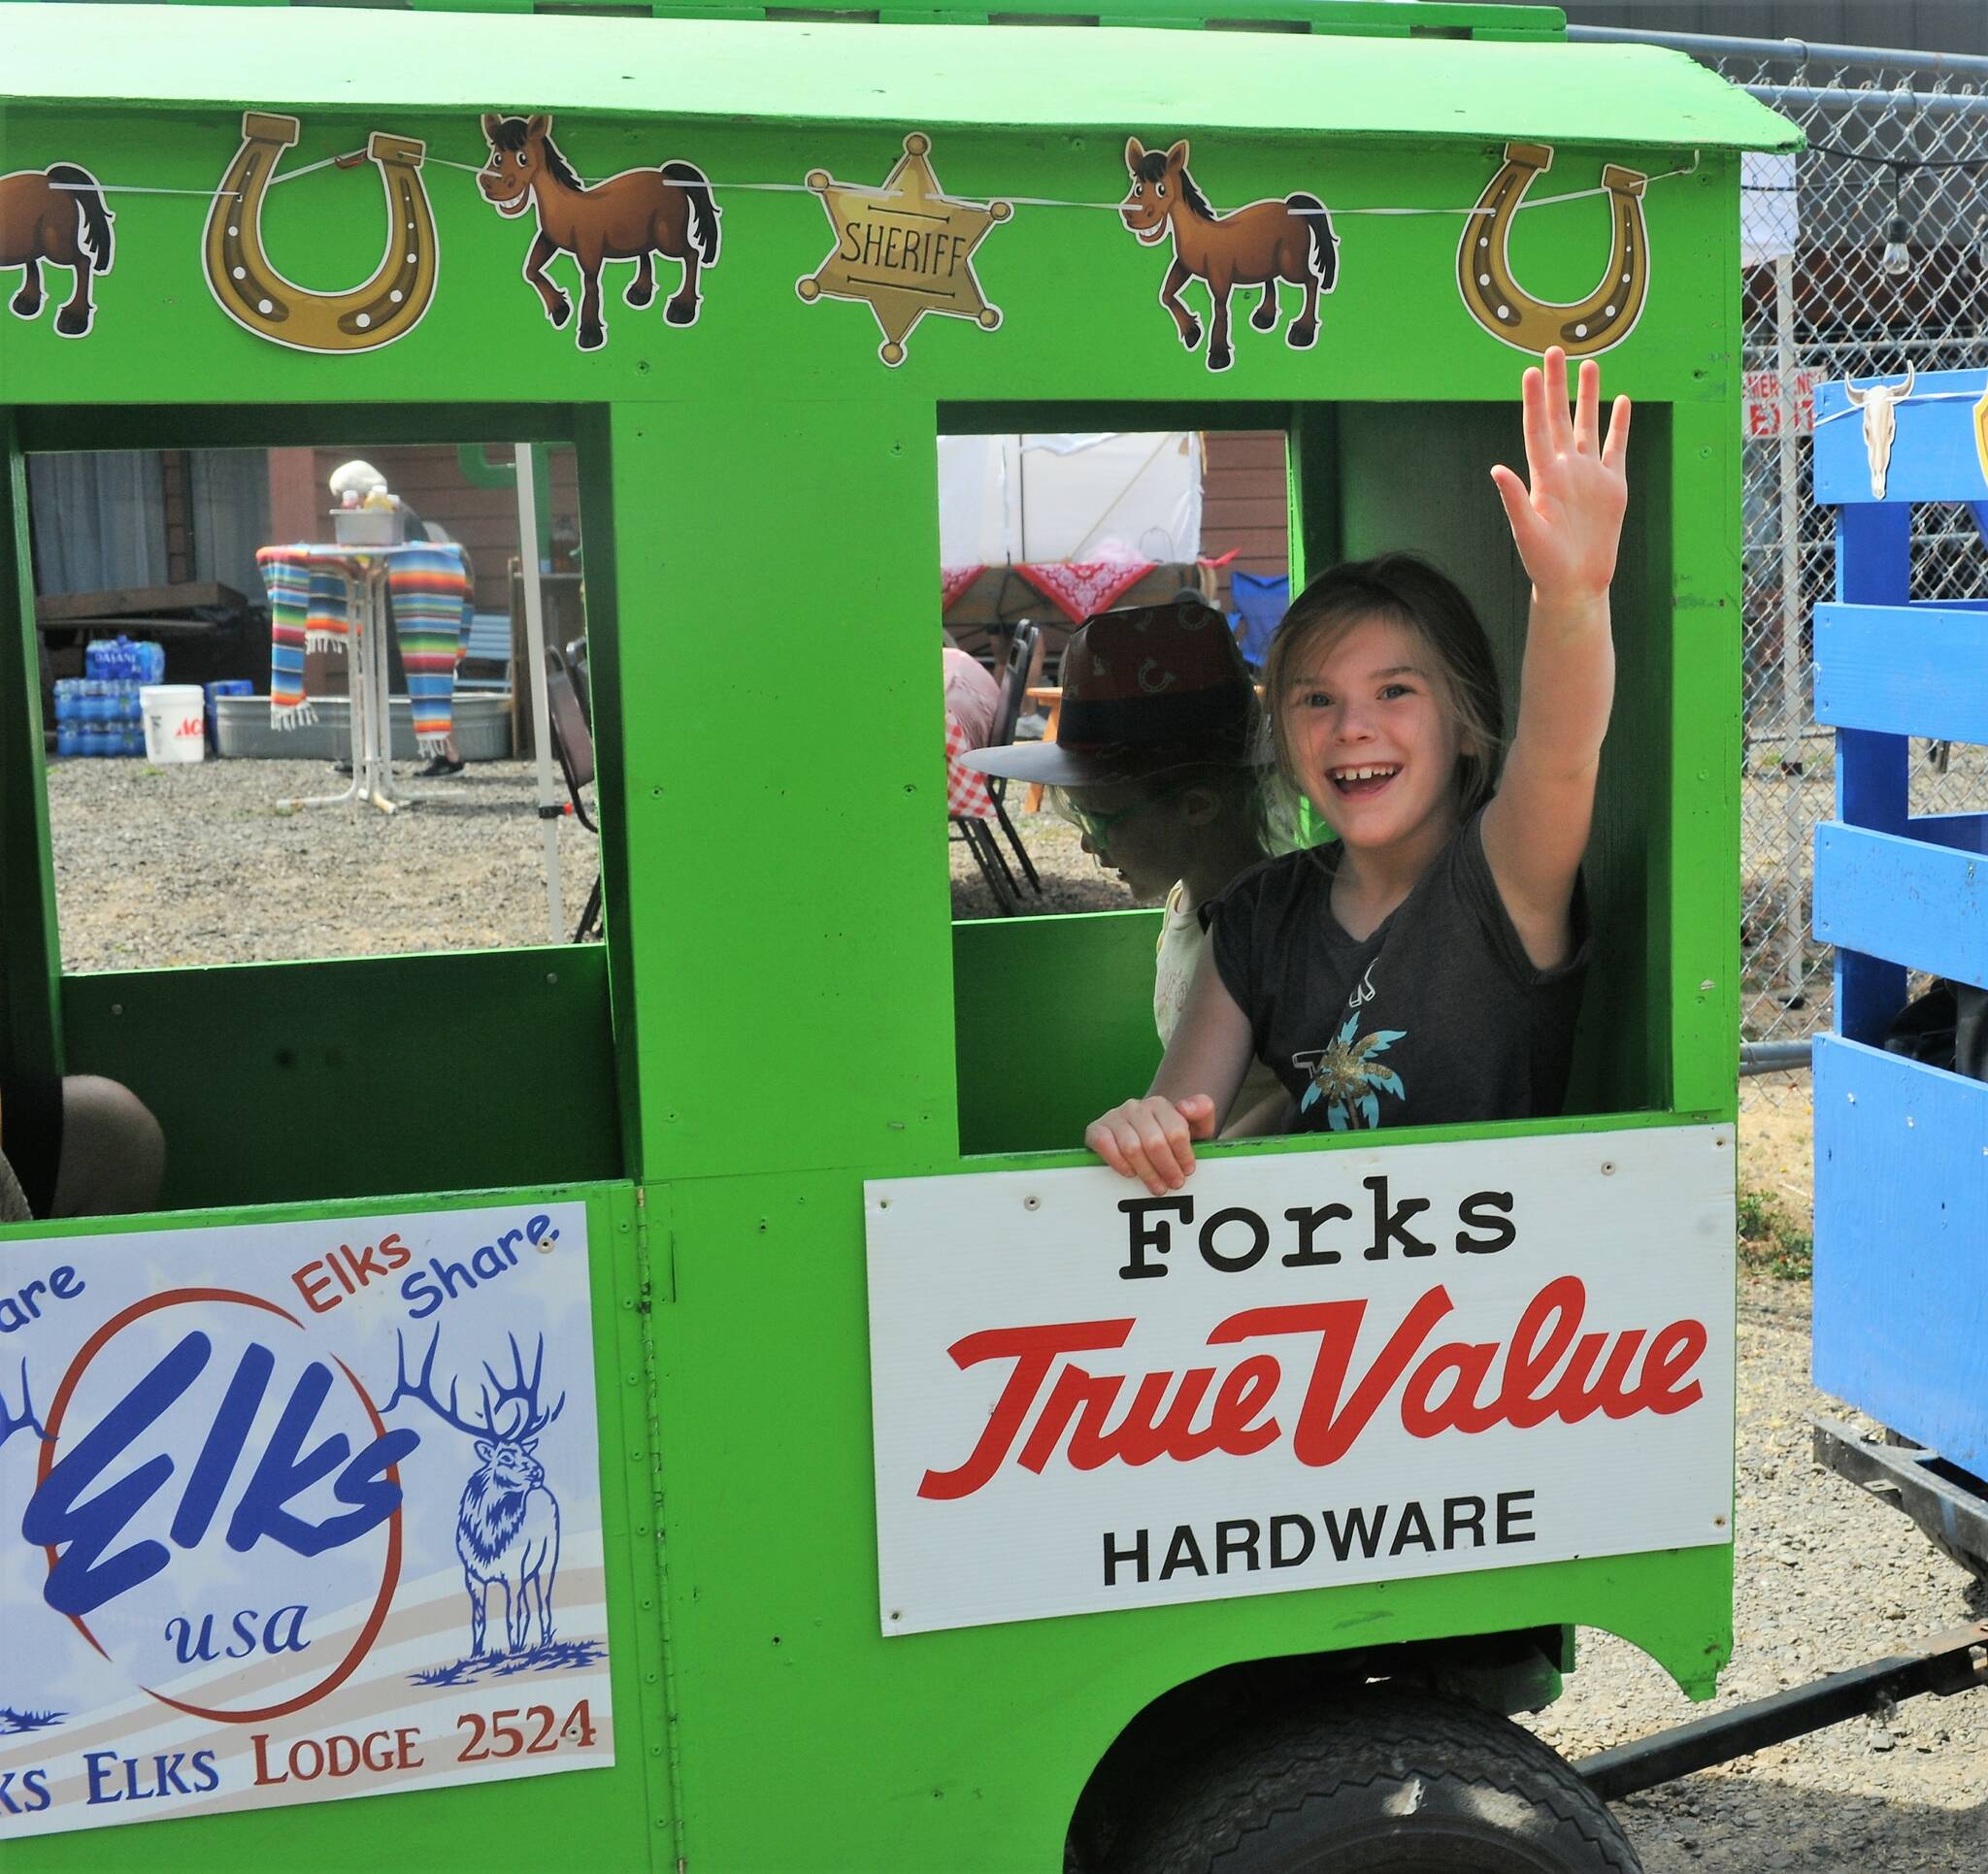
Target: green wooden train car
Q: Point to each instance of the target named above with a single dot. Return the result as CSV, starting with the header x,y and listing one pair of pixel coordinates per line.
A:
x,y
729,1196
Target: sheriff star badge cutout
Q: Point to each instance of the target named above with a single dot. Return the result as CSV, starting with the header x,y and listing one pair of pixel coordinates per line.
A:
x,y
905,249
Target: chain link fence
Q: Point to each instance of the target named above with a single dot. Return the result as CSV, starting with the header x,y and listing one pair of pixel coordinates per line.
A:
x,y
1865,253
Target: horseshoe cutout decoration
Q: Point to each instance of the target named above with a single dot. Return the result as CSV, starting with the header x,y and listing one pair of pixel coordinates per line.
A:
x,y
254,295
1497,302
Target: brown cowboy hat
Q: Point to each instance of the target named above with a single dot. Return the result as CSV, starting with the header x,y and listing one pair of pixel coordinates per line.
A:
x,y
1144,688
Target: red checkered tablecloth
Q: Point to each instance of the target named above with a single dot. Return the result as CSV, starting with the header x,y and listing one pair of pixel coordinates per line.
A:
x,y
966,788
1079,587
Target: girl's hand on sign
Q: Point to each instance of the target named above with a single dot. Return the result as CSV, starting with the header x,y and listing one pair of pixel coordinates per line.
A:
x,y
1568,523
1153,1139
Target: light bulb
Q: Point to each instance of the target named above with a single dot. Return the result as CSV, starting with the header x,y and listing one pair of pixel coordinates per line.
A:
x,y
1897,260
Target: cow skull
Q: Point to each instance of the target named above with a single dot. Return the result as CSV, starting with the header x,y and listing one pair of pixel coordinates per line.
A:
x,y
1880,405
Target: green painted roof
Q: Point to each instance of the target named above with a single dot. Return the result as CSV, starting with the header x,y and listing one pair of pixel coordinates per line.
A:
x,y
226,58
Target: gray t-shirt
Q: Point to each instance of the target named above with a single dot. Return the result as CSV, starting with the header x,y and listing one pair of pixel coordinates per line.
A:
x,y
1438,1016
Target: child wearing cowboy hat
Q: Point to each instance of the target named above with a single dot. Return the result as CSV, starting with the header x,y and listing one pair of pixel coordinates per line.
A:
x,y
1159,760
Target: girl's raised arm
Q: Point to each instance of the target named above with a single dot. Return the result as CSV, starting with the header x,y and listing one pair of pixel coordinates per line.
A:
x,y
1566,526
1153,1139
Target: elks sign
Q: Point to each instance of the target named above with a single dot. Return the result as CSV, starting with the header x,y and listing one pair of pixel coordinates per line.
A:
x,y
1343,1366
294,1511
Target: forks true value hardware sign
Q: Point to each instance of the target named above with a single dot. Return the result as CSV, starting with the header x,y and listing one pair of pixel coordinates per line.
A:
x,y
1300,1370
295,1511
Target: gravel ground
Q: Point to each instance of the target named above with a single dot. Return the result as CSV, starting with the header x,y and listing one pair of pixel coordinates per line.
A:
x,y
1072,880
156,866
195,865
1777,1141
1827,1578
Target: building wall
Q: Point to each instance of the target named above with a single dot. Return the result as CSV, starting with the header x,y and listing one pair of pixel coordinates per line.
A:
x,y
1922,25
430,479
1245,502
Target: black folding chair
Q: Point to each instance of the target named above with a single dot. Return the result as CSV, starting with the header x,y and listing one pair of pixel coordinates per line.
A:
x,y
583,683
573,747
974,833
1021,655
978,840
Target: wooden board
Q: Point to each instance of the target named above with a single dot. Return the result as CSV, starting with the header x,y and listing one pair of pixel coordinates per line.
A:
x,y
65,608
1904,670
1934,456
1908,901
142,627
1900,1255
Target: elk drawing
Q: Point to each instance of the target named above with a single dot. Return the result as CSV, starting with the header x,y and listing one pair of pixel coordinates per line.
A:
x,y
11,1421
506,1529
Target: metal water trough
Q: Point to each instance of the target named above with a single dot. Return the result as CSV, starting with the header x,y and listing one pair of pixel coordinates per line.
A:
x,y
242,729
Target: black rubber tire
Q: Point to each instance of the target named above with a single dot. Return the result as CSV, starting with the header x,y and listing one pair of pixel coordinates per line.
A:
x,y
1393,1783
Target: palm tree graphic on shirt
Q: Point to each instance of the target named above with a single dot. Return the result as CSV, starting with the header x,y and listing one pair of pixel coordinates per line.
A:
x,y
1349,1078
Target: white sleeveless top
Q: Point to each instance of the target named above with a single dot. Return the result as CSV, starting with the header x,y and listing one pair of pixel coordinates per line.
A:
x,y
1182,942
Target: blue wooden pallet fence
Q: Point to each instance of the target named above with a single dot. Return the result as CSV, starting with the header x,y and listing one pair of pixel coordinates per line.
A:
x,y
1901,1326
1894,668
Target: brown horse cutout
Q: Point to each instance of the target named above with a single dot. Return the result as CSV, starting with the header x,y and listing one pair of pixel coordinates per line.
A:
x,y
56,214
634,216
1257,246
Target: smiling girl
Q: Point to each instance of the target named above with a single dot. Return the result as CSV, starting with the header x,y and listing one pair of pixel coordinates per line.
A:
x,y
1427,966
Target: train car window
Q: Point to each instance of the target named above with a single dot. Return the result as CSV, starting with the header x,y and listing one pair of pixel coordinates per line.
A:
x,y
326,999
224,829
1056,990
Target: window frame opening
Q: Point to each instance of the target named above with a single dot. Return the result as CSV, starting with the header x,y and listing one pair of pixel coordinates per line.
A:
x,y
1089,975
258,1072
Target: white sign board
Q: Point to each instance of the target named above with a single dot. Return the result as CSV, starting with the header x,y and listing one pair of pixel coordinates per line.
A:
x,y
1329,1366
1765,405
297,1511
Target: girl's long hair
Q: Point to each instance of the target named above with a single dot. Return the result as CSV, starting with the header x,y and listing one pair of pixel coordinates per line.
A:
x,y
1407,591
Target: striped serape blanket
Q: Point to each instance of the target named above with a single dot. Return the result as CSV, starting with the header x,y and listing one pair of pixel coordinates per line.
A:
x,y
429,587
432,602
307,612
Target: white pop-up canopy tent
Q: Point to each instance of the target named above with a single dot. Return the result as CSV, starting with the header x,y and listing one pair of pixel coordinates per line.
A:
x,y
1021,499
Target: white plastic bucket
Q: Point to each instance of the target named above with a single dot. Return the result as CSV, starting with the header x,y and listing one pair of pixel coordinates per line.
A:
x,y
174,722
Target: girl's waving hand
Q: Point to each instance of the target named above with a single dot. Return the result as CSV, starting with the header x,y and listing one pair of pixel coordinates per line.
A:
x,y
1566,524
